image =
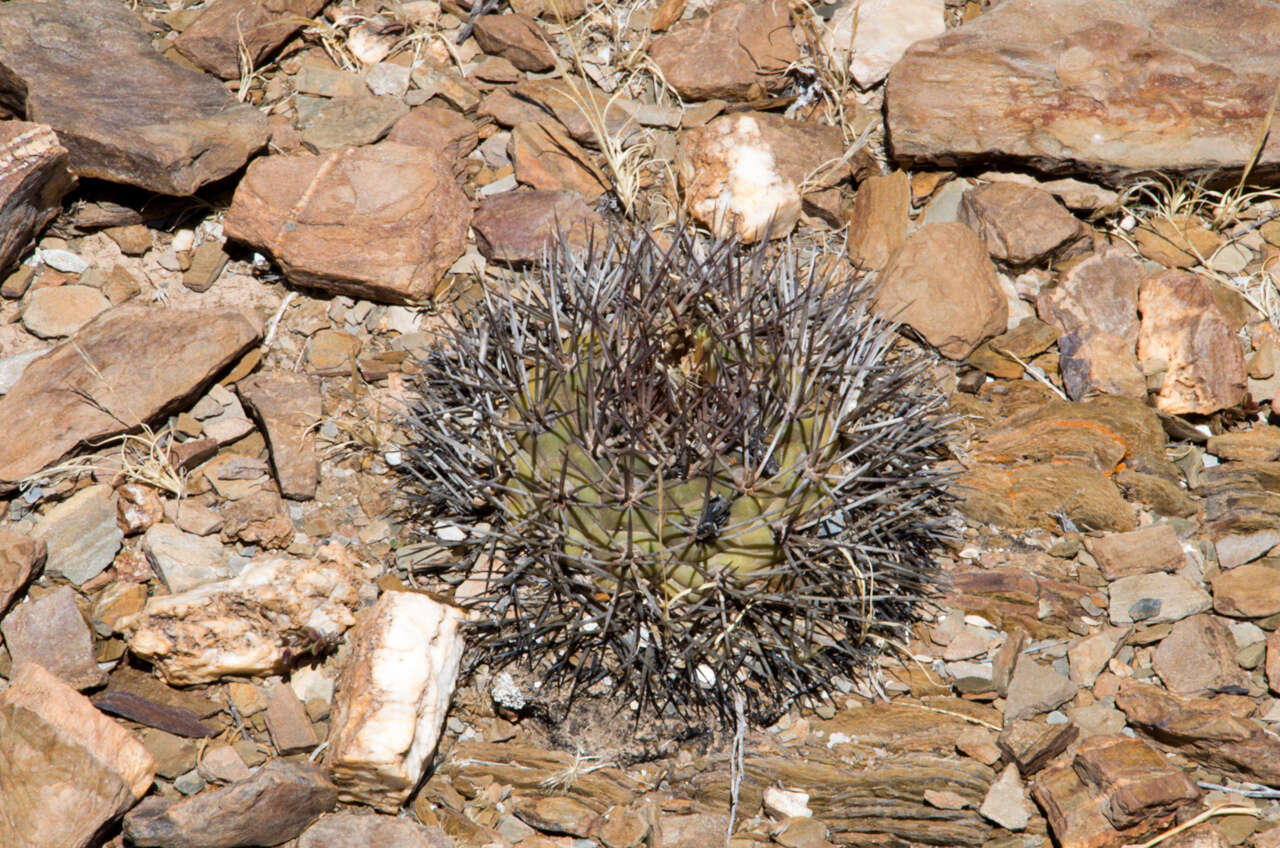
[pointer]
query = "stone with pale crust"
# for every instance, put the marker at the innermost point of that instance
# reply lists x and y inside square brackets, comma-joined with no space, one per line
[392,697]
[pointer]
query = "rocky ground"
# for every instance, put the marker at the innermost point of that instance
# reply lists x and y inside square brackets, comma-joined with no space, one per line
[230,230]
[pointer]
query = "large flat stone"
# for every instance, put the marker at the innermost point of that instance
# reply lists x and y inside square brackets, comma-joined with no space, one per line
[124,112]
[383,222]
[51,632]
[1111,88]
[127,366]
[65,768]
[34,176]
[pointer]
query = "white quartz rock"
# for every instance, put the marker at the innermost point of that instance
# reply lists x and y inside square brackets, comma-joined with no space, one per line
[238,626]
[393,693]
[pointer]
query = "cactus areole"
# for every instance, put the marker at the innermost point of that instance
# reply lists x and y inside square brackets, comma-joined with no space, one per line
[694,476]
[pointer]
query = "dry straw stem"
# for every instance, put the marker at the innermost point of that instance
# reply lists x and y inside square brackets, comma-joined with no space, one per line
[694,471]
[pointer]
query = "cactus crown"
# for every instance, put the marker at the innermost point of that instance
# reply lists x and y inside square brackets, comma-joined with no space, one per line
[695,472]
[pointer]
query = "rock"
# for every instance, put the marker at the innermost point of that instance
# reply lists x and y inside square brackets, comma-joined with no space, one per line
[739,45]
[802,832]
[251,613]
[940,282]
[391,699]
[34,177]
[81,533]
[1198,658]
[21,558]
[1176,241]
[1154,598]
[624,828]
[1135,782]
[786,803]
[1074,810]
[11,367]
[287,407]
[576,106]
[65,768]
[216,38]
[1034,689]
[517,38]
[1201,730]
[1089,655]
[124,112]
[1007,803]
[1096,719]
[440,129]
[1000,356]
[516,226]
[1260,443]
[183,560]
[60,311]
[221,763]
[1236,550]
[1031,745]
[1250,591]
[291,730]
[259,518]
[556,814]
[346,830]
[978,743]
[383,222]
[1032,495]
[1183,327]
[1097,294]
[273,806]
[871,35]
[743,173]
[207,264]
[546,158]
[1019,225]
[351,122]
[138,508]
[174,721]
[680,831]
[1152,548]
[878,219]
[1094,363]
[46,414]
[173,754]
[51,632]
[1092,80]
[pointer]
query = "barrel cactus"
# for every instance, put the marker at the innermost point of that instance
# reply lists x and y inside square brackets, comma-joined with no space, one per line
[697,476]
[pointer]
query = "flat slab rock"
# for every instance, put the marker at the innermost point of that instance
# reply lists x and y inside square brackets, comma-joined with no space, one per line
[124,112]
[34,176]
[127,366]
[65,768]
[1110,88]
[383,222]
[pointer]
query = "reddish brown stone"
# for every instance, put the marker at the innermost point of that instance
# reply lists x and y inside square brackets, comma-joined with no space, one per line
[516,226]
[34,177]
[546,158]
[1152,548]
[517,38]
[878,219]
[288,407]
[1019,224]
[21,558]
[226,28]
[438,128]
[1135,782]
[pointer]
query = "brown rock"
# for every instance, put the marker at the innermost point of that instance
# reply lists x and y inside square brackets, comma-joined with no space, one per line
[1097,294]
[516,226]
[1092,84]
[680,831]
[1201,730]
[124,112]
[51,632]
[546,158]
[556,814]
[1176,242]
[273,806]
[351,121]
[46,414]
[1093,363]
[940,282]
[1036,688]
[438,128]
[1135,782]
[206,265]
[1031,745]
[34,177]
[132,239]
[174,755]
[878,219]
[1260,443]
[348,830]
[1020,225]
[1089,655]
[1163,495]
[65,768]
[53,313]
[622,828]
[1074,810]
[1152,548]
[1183,327]
[259,519]
[1198,658]
[737,46]
[999,356]
[517,38]
[1031,496]
[21,559]
[382,222]
[138,507]
[1273,660]
[746,174]
[224,29]
[174,721]
[81,533]
[291,730]
[1250,591]
[288,408]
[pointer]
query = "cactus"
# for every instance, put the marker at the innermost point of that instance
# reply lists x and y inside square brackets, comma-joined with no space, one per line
[695,473]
